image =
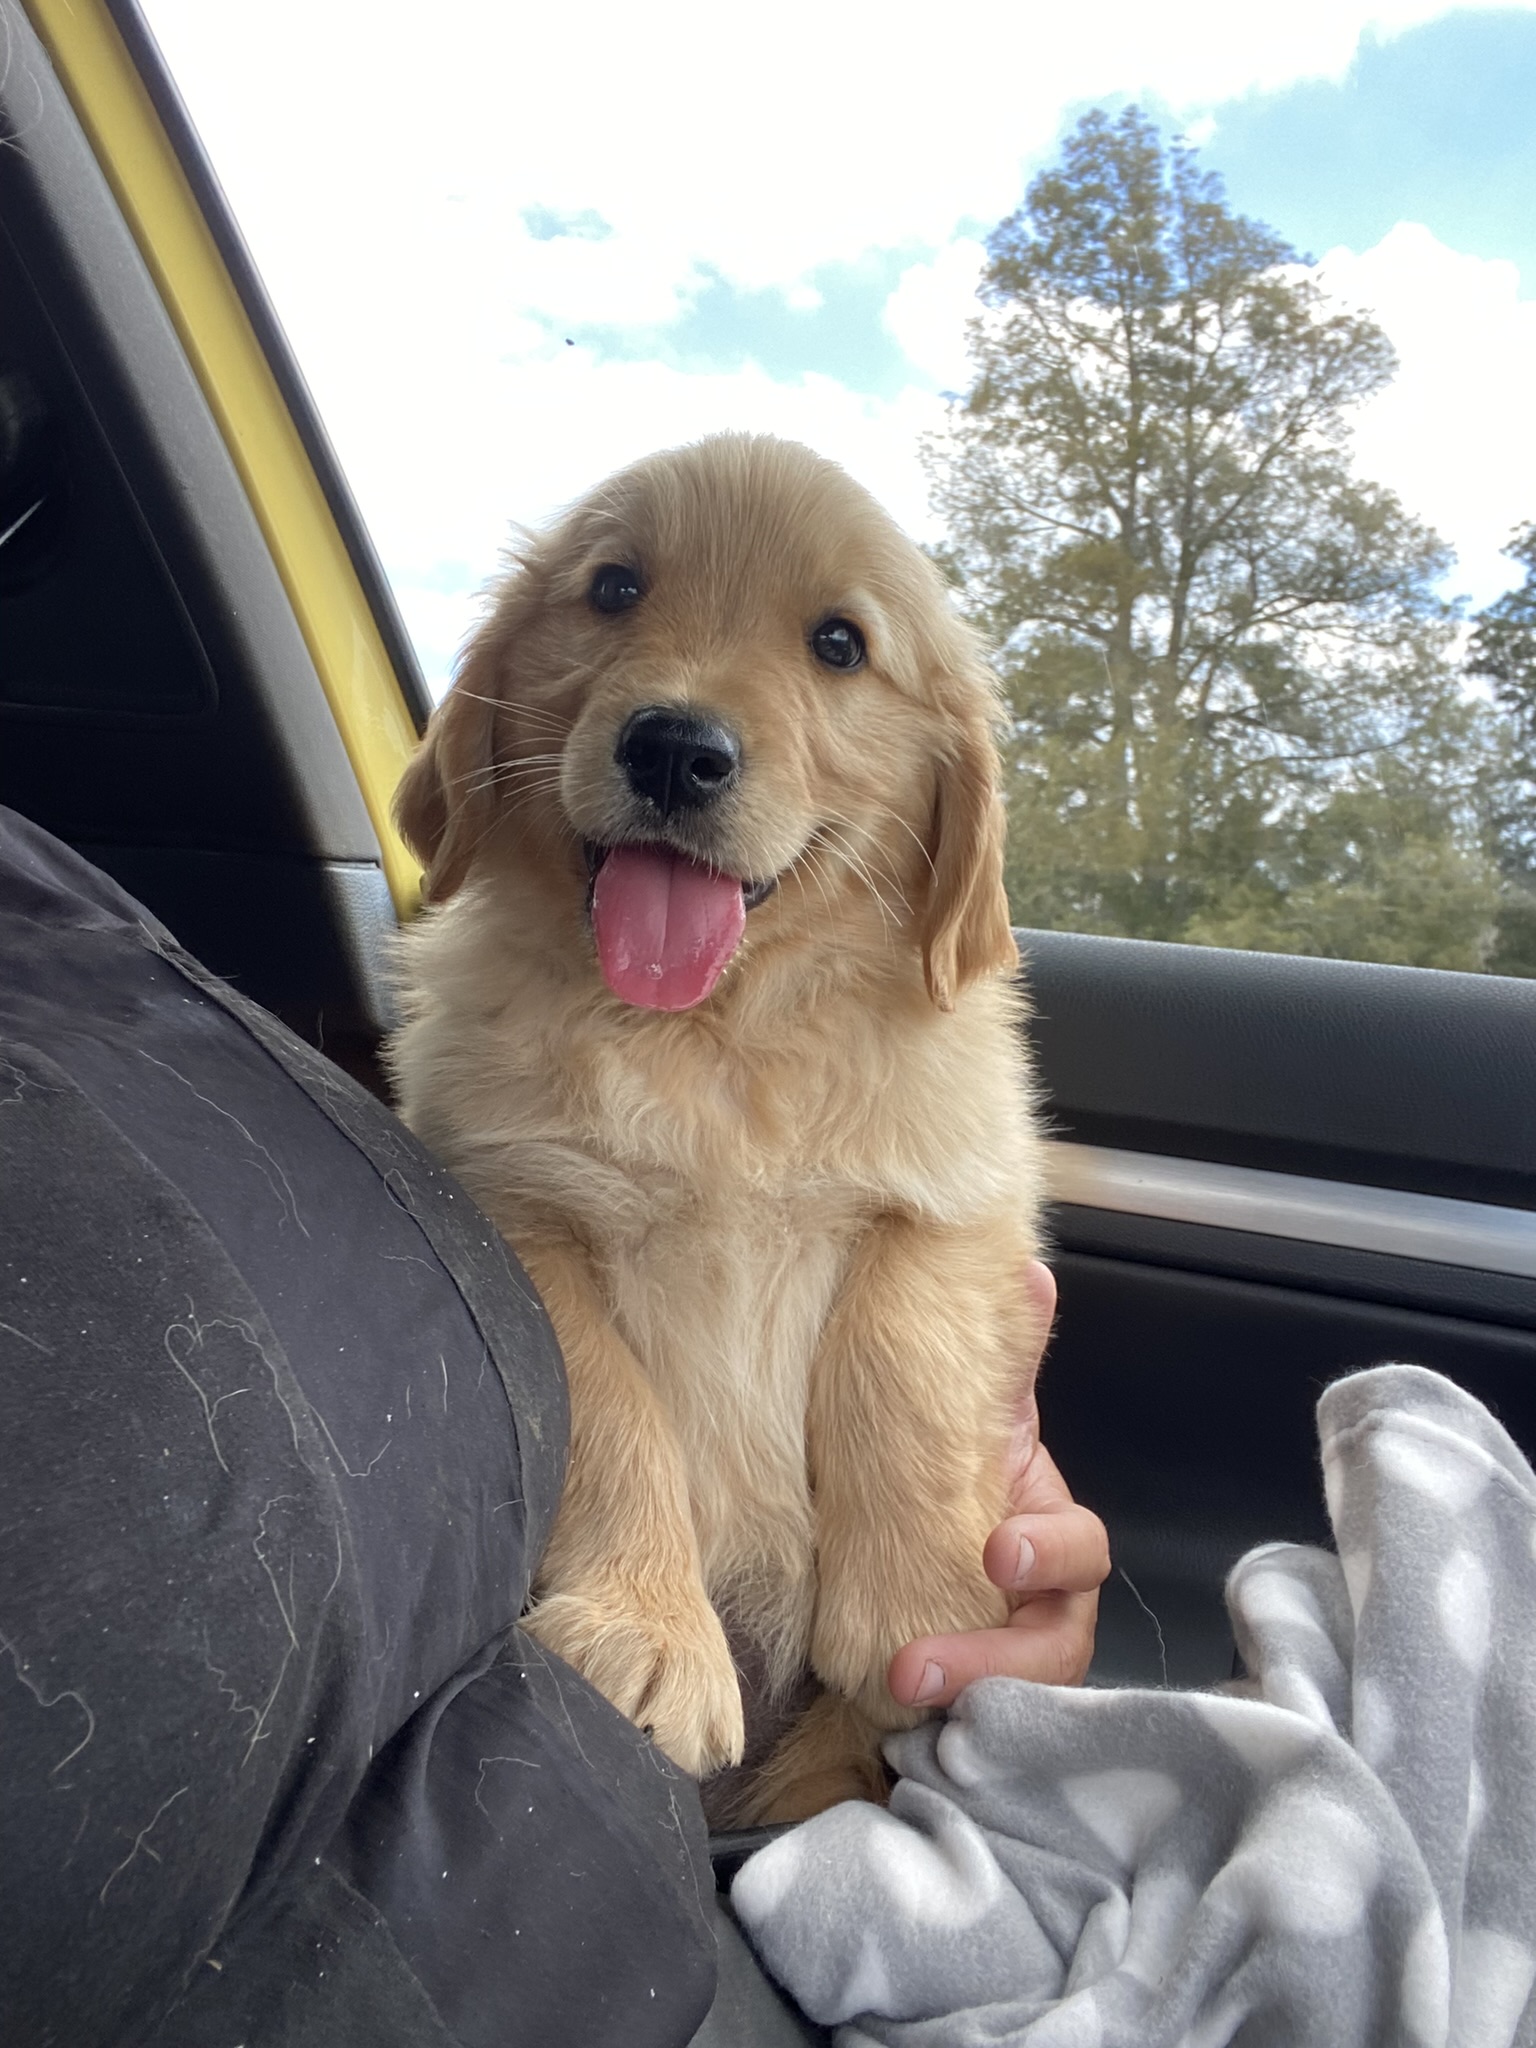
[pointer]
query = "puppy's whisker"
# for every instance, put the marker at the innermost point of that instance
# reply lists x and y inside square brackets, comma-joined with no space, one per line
[540,782]
[867,870]
[499,772]
[840,844]
[547,830]
[526,764]
[896,818]
[557,720]
[525,707]
[799,873]
[866,863]
[498,762]
[544,723]
[812,866]
[518,787]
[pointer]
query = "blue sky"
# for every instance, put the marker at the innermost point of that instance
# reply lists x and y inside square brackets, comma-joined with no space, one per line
[512,257]
[835,330]
[1436,125]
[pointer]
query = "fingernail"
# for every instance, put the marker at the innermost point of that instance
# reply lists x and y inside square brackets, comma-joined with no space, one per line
[1024,1563]
[933,1683]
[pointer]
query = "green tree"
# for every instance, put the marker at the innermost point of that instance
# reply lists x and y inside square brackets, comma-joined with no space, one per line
[1235,709]
[1502,652]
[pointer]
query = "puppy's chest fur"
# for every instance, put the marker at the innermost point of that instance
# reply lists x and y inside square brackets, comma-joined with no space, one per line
[724,1299]
[719,1254]
[721,1195]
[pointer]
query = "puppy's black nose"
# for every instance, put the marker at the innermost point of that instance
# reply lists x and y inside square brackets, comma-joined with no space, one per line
[679,760]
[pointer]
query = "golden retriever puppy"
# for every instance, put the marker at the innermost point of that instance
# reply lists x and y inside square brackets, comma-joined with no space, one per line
[713,1013]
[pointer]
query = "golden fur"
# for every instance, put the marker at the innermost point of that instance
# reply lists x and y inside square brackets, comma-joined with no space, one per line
[780,1234]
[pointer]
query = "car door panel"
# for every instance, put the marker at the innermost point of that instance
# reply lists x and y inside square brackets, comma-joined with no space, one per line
[1256,1150]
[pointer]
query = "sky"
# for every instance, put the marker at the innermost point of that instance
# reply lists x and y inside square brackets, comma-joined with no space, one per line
[516,247]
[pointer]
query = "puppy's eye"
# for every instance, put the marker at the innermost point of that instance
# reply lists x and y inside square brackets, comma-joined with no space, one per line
[615,588]
[838,643]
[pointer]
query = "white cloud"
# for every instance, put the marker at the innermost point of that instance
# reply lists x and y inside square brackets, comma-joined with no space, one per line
[1455,433]
[765,143]
[928,311]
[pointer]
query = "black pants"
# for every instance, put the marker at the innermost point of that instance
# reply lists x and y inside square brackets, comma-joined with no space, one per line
[283,1432]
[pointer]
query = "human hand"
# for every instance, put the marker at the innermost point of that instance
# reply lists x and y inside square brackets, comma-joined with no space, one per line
[1049,1556]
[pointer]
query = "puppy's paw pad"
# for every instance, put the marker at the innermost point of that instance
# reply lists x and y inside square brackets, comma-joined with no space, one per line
[667,1669]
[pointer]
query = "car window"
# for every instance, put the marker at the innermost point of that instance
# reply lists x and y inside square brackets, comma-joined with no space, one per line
[1206,366]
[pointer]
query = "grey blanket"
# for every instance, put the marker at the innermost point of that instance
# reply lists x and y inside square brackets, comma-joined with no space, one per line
[1346,1854]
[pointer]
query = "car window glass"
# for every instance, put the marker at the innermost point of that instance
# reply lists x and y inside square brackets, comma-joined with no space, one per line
[1205,362]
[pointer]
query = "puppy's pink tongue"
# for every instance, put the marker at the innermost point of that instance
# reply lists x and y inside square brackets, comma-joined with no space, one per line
[665,927]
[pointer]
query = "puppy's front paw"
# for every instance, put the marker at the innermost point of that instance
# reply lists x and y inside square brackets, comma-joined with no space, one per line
[663,1662]
[867,1608]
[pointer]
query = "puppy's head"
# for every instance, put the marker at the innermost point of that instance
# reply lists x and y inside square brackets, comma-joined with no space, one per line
[724,697]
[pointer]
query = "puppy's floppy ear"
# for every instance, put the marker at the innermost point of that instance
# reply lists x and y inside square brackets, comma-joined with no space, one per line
[445,802]
[967,934]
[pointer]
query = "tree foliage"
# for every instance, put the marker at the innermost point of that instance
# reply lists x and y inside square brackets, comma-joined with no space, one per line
[1235,713]
[1502,652]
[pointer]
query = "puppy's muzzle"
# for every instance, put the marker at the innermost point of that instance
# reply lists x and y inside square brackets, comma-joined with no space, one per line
[678,760]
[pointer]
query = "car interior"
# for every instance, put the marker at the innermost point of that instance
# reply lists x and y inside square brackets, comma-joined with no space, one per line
[1268,1170]
[161,702]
